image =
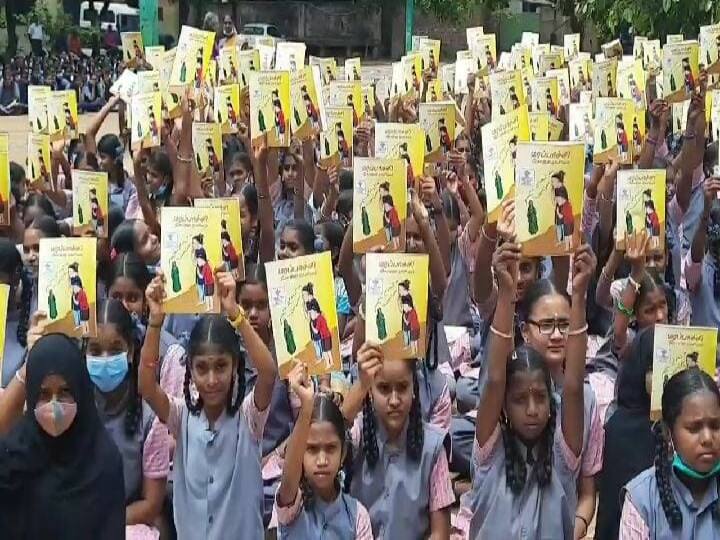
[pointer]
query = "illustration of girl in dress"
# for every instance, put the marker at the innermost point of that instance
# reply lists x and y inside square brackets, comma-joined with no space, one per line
[564,219]
[231,261]
[213,160]
[611,88]
[445,142]
[391,219]
[622,138]
[514,98]
[551,108]
[199,67]
[69,121]
[635,91]
[204,278]
[231,114]
[489,58]
[349,103]
[410,320]
[409,172]
[78,299]
[343,148]
[154,131]
[688,76]
[319,329]
[310,108]
[97,219]
[652,221]
[279,114]
[637,137]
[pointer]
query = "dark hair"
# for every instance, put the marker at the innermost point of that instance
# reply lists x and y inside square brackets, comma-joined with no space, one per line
[631,391]
[525,359]
[325,410]
[451,209]
[47,226]
[132,267]
[242,157]
[345,180]
[334,234]
[113,312]
[160,161]
[214,333]
[650,282]
[415,433]
[344,206]
[681,385]
[123,239]
[11,264]
[249,193]
[110,145]
[537,290]
[304,231]
[17,177]
[41,201]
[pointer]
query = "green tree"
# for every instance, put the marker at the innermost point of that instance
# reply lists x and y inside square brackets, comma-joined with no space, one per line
[446,10]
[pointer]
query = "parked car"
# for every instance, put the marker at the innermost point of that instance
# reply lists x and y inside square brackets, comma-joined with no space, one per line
[118,16]
[260,33]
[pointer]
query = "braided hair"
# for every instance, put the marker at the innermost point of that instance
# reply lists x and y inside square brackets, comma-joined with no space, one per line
[213,334]
[12,271]
[415,429]
[681,385]
[526,359]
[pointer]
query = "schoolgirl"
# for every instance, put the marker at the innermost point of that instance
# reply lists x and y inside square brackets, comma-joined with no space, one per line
[19,303]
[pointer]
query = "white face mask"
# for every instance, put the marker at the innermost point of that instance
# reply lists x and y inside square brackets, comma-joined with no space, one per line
[55,417]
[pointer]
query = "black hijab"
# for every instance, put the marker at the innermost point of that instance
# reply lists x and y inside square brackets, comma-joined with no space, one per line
[629,441]
[66,487]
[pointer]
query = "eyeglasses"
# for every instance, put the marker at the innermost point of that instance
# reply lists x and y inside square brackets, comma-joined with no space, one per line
[547,327]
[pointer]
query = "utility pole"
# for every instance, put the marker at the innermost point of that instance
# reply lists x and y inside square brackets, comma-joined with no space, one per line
[409,19]
[149,21]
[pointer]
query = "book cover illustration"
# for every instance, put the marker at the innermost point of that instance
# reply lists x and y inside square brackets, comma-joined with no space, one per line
[170,98]
[412,72]
[146,115]
[521,57]
[555,129]
[652,55]
[4,297]
[676,348]
[90,203]
[226,107]
[37,108]
[125,86]
[631,83]
[613,49]
[67,287]
[582,124]
[579,73]
[192,59]
[641,206]
[613,121]
[38,160]
[604,78]
[353,69]
[148,81]
[484,48]
[248,61]
[397,80]
[545,95]
[4,180]
[132,48]
[558,49]
[639,132]
[328,68]
[304,313]
[638,43]
[344,93]
[228,63]
[403,141]
[434,92]
[56,115]
[549,186]
[233,259]
[267,56]
[289,56]
[465,64]
[190,250]
[562,76]
[472,34]
[500,139]
[379,204]
[415,42]
[714,124]
[336,140]
[306,117]
[433,47]
[530,39]
[154,55]
[506,92]
[674,38]
[396,296]
[69,106]
[710,48]
[681,70]
[539,124]
[438,123]
[270,107]
[548,61]
[571,45]
[208,148]
[447,76]
[368,93]
[536,53]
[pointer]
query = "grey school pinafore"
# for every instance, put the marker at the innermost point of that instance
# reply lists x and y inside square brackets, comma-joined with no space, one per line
[323,521]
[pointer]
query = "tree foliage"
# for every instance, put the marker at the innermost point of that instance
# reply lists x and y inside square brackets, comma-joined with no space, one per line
[453,11]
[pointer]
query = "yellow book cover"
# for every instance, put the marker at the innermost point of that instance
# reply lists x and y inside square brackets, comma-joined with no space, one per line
[555,129]
[353,69]
[226,107]
[379,204]
[148,81]
[434,91]
[411,65]
[233,258]
[604,78]
[710,48]
[170,98]
[37,108]
[208,149]
[4,297]
[396,303]
[90,203]
[530,39]
[521,57]
[368,92]
[545,95]
[328,68]
[192,59]
[582,123]
[676,348]
[433,46]
[304,313]
[579,73]
[190,250]
[613,49]
[715,116]
[4,180]
[447,76]
[229,65]
[66,287]
[154,55]
[56,115]
[438,122]
[485,50]
[289,56]
[146,114]
[415,42]
[549,186]
[397,80]
[631,83]
[248,61]
[270,107]
[571,45]
[613,116]
[464,66]
[472,34]
[306,118]
[548,61]
[539,124]
[211,77]
[536,53]
[132,48]
[70,110]
[638,43]
[674,38]
[641,206]
[267,56]
[563,79]
[403,141]
[639,131]
[500,138]
[506,92]
[652,55]
[336,140]
[344,93]
[558,49]
[680,70]
[38,160]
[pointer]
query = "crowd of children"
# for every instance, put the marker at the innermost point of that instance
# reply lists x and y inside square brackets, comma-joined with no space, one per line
[527,414]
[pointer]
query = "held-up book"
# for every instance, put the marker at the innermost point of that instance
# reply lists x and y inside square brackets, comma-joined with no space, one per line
[146,120]
[614,119]
[306,117]
[233,259]
[710,48]
[132,48]
[404,141]
[336,140]
[192,57]
[37,108]
[208,149]
[438,123]
[38,160]
[226,107]
[90,203]
[270,107]
[681,70]
[507,92]
[154,55]
[4,297]
[641,206]
[4,181]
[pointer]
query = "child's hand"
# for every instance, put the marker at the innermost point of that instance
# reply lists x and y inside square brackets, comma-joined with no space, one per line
[155,295]
[419,211]
[301,384]
[369,359]
[584,263]
[333,179]
[430,193]
[505,264]
[37,328]
[226,289]
[635,249]
[506,222]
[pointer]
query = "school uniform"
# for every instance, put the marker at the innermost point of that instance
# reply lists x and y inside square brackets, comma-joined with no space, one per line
[643,516]
[700,280]
[343,518]
[456,305]
[217,488]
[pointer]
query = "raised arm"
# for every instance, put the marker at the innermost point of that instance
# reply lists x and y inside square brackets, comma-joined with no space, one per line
[369,360]
[659,112]
[96,124]
[140,180]
[635,249]
[346,268]
[186,179]
[265,209]
[431,196]
[438,273]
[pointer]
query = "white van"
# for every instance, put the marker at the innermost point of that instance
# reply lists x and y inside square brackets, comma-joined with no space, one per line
[118,17]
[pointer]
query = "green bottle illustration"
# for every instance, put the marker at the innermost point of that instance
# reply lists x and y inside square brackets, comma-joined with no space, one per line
[57,124]
[603,140]
[52,305]
[629,223]
[498,185]
[327,147]
[428,144]
[242,76]
[673,86]
[289,338]
[37,121]
[261,122]
[296,115]
[380,322]
[175,277]
[199,163]
[139,130]
[577,132]
[532,219]
[365,221]
[709,61]
[81,218]
[183,71]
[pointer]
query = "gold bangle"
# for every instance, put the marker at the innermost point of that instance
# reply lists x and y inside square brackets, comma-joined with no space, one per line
[499,333]
[579,331]
[482,229]
[235,323]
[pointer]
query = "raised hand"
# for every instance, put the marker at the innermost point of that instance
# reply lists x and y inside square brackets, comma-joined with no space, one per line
[155,296]
[370,360]
[301,384]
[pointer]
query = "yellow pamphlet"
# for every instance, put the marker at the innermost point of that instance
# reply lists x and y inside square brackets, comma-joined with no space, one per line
[154,55]
[604,79]
[447,76]
[4,297]
[579,73]
[62,115]
[328,68]
[506,91]
[631,83]
[270,107]
[146,114]
[555,129]
[571,45]
[582,123]
[438,123]
[710,48]
[353,69]
[548,61]
[539,124]
[233,258]
[652,55]
[37,108]
[148,81]
[545,95]
[472,34]
[613,49]
[433,46]
[306,118]
[192,57]
[434,92]
[248,61]
[207,145]
[226,107]
[336,140]
[38,160]
[681,70]
[674,38]
[404,141]
[229,65]
[132,48]
[485,50]
[289,56]
[4,181]
[343,93]
[170,98]
[641,206]
[90,203]
[613,120]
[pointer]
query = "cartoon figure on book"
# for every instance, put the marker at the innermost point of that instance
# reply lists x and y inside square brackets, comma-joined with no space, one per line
[410,320]
[319,329]
[78,299]
[611,89]
[343,148]
[391,220]
[279,114]
[154,131]
[97,219]
[232,115]
[622,138]
[564,219]
[69,121]
[349,102]
[689,80]
[637,137]
[489,60]
[199,68]
[409,172]
[213,161]
[652,221]
[231,260]
[445,142]
[204,278]
[550,103]
[635,93]
[310,108]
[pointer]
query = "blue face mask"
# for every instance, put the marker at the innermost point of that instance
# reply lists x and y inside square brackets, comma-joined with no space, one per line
[680,466]
[107,372]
